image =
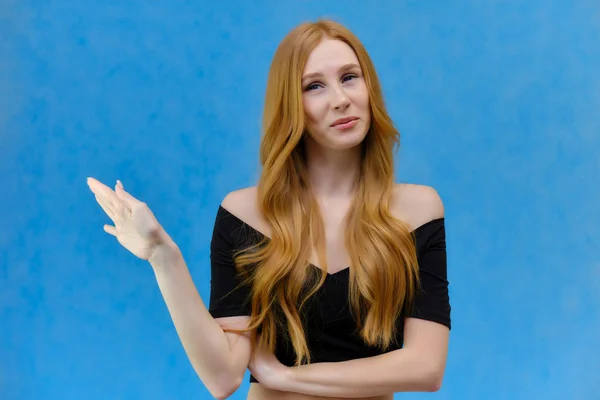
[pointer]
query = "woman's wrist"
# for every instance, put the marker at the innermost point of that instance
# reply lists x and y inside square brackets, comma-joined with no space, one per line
[165,255]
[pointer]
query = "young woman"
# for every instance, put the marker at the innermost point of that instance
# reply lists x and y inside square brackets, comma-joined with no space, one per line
[328,278]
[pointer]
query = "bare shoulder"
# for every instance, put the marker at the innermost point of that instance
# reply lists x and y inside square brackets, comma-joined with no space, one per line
[240,198]
[243,204]
[416,204]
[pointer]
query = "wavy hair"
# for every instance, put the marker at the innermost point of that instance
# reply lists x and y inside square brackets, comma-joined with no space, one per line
[384,270]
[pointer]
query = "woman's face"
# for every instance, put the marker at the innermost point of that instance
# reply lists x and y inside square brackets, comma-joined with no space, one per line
[335,96]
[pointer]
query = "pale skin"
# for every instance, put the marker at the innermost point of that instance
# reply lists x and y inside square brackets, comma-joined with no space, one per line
[220,359]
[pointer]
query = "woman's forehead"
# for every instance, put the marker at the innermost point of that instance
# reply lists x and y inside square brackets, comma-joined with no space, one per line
[330,56]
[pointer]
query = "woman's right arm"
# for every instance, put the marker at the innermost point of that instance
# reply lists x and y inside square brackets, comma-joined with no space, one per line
[220,359]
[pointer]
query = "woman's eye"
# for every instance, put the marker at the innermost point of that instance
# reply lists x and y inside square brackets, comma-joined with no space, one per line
[316,85]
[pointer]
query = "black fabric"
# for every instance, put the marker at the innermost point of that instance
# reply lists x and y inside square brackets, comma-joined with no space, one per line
[331,330]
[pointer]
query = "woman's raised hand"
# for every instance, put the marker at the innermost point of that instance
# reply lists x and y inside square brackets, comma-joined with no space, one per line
[135,226]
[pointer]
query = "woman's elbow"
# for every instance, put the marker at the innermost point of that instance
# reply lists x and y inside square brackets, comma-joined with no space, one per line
[220,384]
[434,385]
[223,388]
[434,377]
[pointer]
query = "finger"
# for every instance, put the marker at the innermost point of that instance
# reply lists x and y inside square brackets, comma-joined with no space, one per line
[98,187]
[107,207]
[129,200]
[110,230]
[105,193]
[122,209]
[126,202]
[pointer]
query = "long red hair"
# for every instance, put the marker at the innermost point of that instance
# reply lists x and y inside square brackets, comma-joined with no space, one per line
[384,271]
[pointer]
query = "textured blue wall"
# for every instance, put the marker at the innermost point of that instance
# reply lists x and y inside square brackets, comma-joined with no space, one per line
[498,103]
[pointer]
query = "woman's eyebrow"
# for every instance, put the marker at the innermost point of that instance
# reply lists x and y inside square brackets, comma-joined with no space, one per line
[345,67]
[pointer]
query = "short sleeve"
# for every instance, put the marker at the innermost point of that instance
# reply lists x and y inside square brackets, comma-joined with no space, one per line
[227,297]
[432,301]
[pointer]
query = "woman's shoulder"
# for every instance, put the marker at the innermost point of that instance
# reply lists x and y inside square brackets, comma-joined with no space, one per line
[240,198]
[412,203]
[242,203]
[416,204]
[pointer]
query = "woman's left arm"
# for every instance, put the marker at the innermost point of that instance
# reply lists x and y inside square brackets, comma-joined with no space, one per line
[417,367]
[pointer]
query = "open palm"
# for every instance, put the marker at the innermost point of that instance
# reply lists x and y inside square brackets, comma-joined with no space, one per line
[135,226]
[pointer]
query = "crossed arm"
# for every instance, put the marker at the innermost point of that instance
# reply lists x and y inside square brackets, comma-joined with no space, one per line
[417,367]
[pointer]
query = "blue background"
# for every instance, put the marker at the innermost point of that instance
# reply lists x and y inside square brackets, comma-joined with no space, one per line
[498,104]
